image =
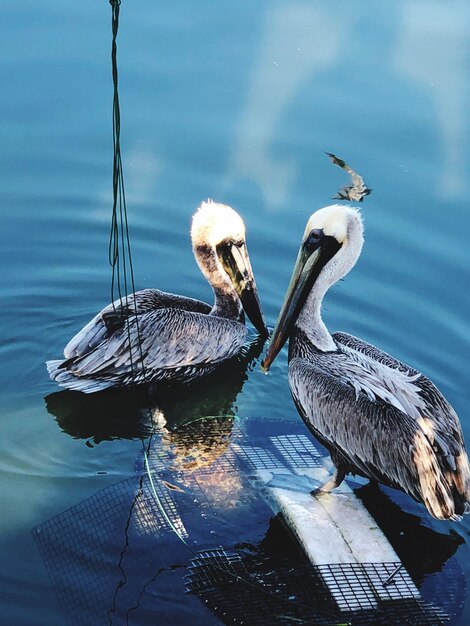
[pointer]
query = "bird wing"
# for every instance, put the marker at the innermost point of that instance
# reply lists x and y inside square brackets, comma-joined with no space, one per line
[385,419]
[162,339]
[114,316]
[414,393]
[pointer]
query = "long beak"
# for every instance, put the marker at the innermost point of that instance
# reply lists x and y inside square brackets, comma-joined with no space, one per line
[300,285]
[237,264]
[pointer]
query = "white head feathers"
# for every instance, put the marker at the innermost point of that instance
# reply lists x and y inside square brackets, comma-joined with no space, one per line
[336,221]
[214,222]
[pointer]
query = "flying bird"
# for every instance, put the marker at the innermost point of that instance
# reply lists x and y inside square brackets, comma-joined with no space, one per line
[357,190]
[377,416]
[153,337]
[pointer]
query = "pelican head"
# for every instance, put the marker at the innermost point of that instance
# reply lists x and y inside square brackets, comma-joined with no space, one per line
[330,247]
[219,245]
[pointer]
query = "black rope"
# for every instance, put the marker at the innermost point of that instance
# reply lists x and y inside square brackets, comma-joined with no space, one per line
[119,252]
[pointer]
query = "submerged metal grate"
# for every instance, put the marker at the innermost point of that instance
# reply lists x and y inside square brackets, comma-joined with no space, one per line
[297,451]
[288,451]
[240,596]
[80,550]
[149,512]
[112,554]
[94,552]
[366,585]
[239,592]
[256,457]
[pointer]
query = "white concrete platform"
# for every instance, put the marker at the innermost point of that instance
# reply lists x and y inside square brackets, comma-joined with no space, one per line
[333,528]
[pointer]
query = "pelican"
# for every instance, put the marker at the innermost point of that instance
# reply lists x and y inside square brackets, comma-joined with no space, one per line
[377,416]
[153,336]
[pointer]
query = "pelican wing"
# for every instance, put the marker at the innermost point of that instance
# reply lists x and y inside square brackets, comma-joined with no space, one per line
[114,316]
[385,420]
[162,339]
[417,396]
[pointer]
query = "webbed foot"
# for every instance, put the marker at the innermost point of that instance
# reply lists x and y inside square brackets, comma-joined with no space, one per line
[331,483]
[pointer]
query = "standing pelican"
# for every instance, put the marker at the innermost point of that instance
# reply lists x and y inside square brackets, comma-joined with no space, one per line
[377,416]
[153,336]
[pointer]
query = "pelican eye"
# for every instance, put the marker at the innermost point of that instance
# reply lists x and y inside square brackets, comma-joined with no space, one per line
[314,239]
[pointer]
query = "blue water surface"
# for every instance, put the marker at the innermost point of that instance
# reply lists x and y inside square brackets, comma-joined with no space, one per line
[238,102]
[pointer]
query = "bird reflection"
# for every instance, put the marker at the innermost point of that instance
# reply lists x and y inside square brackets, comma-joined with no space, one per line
[422,550]
[137,414]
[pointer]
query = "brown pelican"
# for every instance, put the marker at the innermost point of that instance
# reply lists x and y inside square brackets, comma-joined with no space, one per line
[153,336]
[377,416]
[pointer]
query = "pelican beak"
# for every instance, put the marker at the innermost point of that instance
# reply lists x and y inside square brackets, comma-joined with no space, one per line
[236,262]
[310,261]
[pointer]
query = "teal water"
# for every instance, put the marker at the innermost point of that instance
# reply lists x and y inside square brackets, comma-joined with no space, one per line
[238,102]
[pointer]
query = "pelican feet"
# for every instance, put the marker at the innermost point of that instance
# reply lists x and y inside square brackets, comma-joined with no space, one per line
[331,483]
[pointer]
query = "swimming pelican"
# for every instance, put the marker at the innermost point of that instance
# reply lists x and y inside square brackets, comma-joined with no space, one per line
[377,416]
[155,336]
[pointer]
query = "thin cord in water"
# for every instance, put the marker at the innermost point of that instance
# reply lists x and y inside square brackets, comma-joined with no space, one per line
[119,250]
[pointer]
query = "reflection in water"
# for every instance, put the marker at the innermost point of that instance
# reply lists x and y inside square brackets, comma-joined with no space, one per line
[137,414]
[299,40]
[430,42]
[198,444]
[144,167]
[422,550]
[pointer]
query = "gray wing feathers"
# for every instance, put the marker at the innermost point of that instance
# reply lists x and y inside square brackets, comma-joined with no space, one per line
[350,425]
[114,316]
[64,378]
[166,338]
[372,351]
[419,396]
[377,374]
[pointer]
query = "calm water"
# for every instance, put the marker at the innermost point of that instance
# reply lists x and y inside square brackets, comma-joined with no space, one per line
[237,102]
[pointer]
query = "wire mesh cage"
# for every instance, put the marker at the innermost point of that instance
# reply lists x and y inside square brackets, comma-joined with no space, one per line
[239,594]
[105,556]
